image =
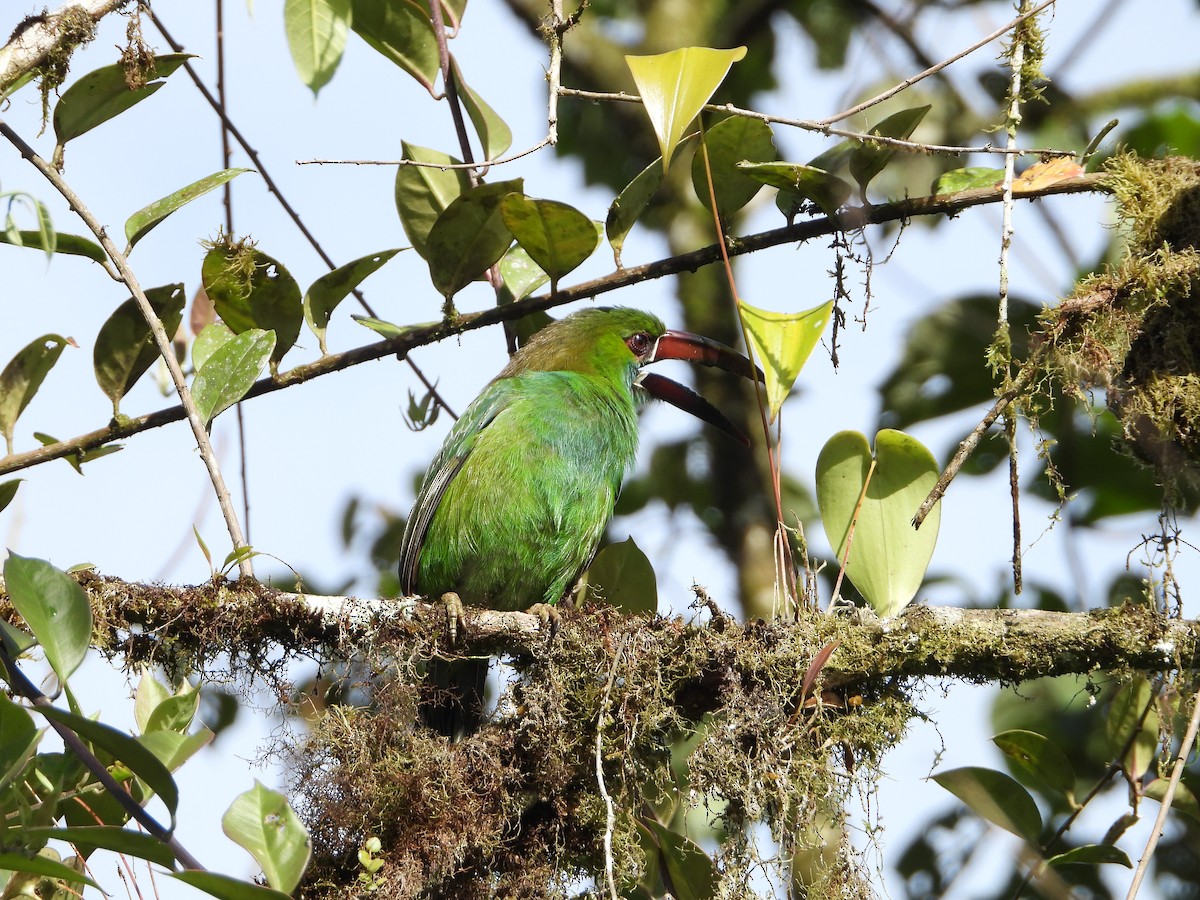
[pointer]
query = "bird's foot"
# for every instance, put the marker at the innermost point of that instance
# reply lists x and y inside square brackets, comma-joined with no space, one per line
[549,618]
[454,615]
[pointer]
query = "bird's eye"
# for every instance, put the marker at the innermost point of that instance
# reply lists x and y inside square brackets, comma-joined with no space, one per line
[639,344]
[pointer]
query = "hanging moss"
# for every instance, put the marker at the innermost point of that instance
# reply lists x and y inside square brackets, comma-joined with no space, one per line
[1134,330]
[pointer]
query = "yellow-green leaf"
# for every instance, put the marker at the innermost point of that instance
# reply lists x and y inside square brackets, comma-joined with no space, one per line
[783,342]
[556,236]
[675,86]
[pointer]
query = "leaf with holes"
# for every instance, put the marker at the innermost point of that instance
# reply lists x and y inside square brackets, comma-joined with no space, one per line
[22,377]
[252,290]
[148,217]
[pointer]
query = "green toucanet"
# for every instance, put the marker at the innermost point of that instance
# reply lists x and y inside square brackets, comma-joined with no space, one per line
[514,504]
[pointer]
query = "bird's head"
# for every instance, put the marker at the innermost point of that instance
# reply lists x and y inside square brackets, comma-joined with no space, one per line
[616,343]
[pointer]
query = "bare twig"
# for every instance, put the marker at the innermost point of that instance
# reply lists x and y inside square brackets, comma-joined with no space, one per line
[934,69]
[161,339]
[1185,750]
[420,335]
[814,125]
[448,83]
[971,441]
[422,164]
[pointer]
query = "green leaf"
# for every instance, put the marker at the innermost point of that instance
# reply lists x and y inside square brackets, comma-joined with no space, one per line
[520,274]
[782,343]
[494,134]
[1184,800]
[675,86]
[125,346]
[1091,855]
[211,339]
[401,31]
[231,371]
[688,870]
[729,142]
[868,160]
[888,557]
[556,236]
[145,219]
[70,244]
[469,236]
[262,821]
[8,490]
[47,868]
[630,204]
[251,290]
[621,576]
[22,377]
[1132,726]
[387,329]
[76,460]
[150,693]
[1038,756]
[54,607]
[175,713]
[423,193]
[966,179]
[174,749]
[227,888]
[800,183]
[98,96]
[107,837]
[316,35]
[330,289]
[996,797]
[125,749]
[19,738]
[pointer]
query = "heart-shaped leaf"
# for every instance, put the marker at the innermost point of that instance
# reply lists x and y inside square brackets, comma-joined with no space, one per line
[783,342]
[888,557]
[675,86]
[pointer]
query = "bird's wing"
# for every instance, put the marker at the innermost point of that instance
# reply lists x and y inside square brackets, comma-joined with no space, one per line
[457,447]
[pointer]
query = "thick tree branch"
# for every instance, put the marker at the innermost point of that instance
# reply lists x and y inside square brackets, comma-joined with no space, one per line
[37,37]
[421,335]
[250,623]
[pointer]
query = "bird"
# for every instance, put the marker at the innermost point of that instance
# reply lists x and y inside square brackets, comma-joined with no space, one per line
[513,506]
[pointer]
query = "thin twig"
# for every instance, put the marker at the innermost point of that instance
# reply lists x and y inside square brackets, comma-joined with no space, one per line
[611,819]
[229,128]
[1016,63]
[421,335]
[422,164]
[1185,750]
[971,441]
[813,125]
[161,339]
[934,69]
[26,688]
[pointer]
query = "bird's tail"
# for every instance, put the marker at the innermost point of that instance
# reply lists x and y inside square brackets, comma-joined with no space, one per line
[452,700]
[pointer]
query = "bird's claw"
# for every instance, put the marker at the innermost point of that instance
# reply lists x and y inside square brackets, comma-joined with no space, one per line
[454,615]
[549,618]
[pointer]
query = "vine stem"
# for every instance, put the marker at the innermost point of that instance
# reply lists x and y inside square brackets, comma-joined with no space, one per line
[161,339]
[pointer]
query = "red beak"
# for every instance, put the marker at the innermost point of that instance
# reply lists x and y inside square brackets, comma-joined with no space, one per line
[694,348]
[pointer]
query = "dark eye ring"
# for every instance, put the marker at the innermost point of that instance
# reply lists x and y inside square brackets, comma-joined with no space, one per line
[638,344]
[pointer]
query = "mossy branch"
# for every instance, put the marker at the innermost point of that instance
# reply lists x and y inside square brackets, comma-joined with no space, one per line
[244,626]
